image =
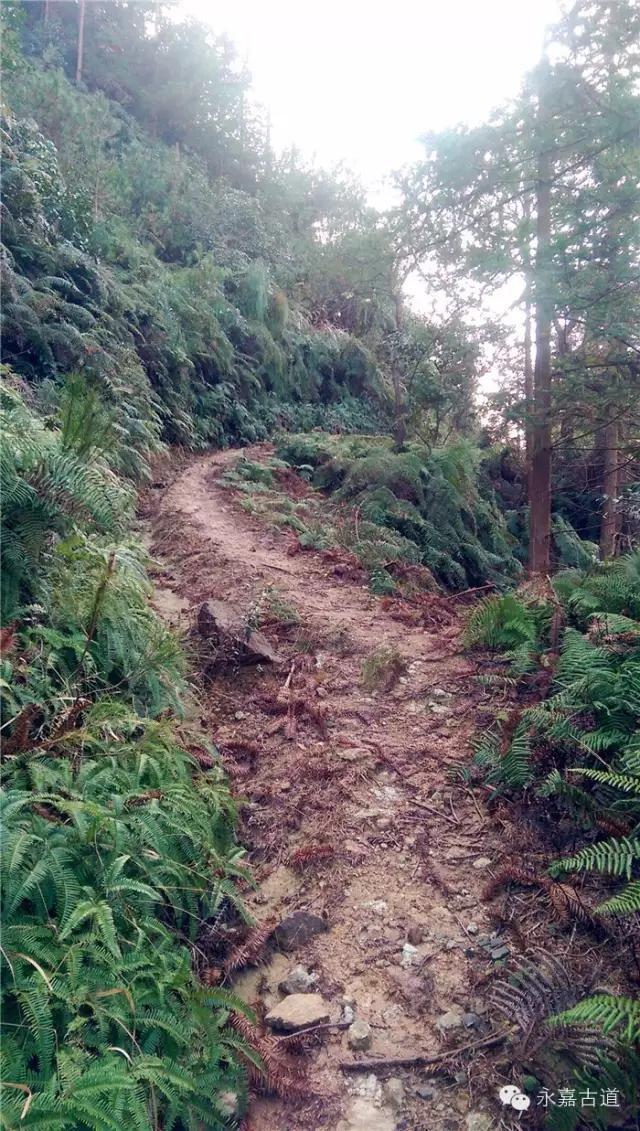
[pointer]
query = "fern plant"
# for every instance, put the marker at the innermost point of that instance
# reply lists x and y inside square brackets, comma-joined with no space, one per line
[112,857]
[46,488]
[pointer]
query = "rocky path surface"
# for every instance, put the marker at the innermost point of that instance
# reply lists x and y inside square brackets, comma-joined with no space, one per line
[368,850]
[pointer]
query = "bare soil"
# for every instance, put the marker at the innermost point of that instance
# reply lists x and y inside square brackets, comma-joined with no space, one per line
[352,808]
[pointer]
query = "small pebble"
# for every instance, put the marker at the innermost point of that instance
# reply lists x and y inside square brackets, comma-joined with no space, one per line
[425,1091]
[409,955]
[482,862]
[449,1020]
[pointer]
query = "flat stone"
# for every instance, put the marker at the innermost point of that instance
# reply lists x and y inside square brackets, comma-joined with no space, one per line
[482,862]
[222,620]
[472,928]
[297,929]
[298,1011]
[298,981]
[500,952]
[359,1036]
[449,1021]
[438,708]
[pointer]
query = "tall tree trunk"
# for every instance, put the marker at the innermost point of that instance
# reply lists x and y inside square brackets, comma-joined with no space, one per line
[399,406]
[80,56]
[528,385]
[540,482]
[528,350]
[609,528]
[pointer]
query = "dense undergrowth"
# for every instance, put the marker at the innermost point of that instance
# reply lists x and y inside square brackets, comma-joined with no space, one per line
[571,747]
[117,822]
[170,303]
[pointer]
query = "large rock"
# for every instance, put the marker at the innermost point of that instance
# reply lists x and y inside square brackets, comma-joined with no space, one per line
[221,620]
[297,929]
[298,1011]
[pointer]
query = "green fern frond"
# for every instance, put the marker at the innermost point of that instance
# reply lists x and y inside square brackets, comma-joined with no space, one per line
[620,1015]
[614,857]
[625,902]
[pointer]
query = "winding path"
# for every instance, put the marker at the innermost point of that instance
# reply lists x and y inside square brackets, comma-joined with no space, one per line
[366,774]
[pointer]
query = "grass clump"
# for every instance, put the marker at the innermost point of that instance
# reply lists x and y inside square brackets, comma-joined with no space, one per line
[382,669]
[272,608]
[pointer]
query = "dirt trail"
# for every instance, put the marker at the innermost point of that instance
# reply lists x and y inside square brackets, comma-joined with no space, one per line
[370,777]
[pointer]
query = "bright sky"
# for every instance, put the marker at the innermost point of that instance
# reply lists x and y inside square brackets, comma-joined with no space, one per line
[359,81]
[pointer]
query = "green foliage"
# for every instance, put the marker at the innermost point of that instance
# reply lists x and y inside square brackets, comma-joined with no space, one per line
[161,290]
[612,1014]
[504,623]
[112,855]
[582,740]
[419,507]
[46,488]
[117,849]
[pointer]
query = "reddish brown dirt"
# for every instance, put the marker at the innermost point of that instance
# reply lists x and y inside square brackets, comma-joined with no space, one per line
[371,777]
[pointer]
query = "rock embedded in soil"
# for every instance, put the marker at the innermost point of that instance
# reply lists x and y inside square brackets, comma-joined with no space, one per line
[393,1092]
[425,1091]
[482,862]
[298,981]
[500,952]
[298,1011]
[221,620]
[364,1115]
[359,1036]
[479,1121]
[449,1021]
[409,955]
[297,929]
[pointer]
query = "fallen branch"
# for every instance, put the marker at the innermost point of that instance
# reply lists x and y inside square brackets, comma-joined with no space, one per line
[436,812]
[420,1061]
[316,1029]
[468,592]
